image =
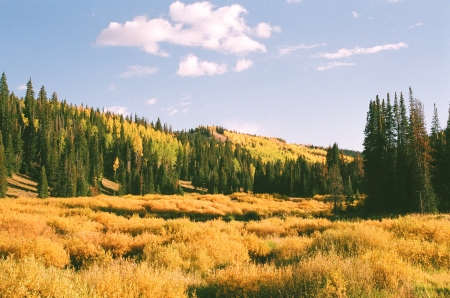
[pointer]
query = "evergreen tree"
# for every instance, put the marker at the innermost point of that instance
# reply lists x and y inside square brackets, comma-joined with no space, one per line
[423,198]
[336,186]
[437,144]
[42,184]
[3,170]
[31,123]
[445,170]
[349,191]
[402,189]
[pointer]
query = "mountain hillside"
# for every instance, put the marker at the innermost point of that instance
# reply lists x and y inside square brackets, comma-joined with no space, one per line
[71,151]
[272,149]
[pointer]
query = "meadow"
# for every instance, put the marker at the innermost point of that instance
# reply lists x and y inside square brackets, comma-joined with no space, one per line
[215,246]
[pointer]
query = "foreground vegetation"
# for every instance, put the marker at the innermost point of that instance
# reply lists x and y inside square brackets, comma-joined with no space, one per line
[215,246]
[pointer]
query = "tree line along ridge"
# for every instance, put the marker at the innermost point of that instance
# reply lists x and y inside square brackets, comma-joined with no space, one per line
[70,149]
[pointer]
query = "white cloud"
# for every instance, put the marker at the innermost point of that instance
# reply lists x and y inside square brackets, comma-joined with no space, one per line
[416,25]
[243,64]
[286,50]
[393,1]
[118,110]
[355,14]
[22,87]
[194,25]
[333,65]
[191,66]
[293,1]
[112,87]
[173,112]
[264,30]
[151,101]
[138,71]
[342,53]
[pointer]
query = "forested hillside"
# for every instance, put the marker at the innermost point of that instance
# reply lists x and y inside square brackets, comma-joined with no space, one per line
[69,149]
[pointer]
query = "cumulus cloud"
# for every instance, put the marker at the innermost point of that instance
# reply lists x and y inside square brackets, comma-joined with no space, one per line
[286,50]
[191,66]
[138,71]
[243,64]
[342,53]
[333,65]
[22,87]
[194,25]
[151,101]
[118,110]
[355,14]
[264,30]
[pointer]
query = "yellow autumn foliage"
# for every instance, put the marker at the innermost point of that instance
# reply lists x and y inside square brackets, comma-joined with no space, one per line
[215,246]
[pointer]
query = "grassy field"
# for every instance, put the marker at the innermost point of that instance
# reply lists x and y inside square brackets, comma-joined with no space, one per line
[215,246]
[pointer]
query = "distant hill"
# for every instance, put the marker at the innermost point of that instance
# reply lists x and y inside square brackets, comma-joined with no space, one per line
[271,149]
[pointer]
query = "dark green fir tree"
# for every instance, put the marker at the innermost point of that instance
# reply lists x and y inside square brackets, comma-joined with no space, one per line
[42,184]
[3,170]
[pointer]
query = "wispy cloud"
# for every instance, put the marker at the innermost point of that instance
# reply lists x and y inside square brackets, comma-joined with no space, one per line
[293,1]
[151,101]
[416,25]
[112,87]
[199,24]
[286,50]
[191,66]
[342,53]
[355,14]
[242,126]
[118,110]
[138,71]
[22,87]
[333,65]
[243,64]
[393,1]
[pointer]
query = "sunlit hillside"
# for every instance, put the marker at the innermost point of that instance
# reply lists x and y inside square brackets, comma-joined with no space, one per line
[272,149]
[251,246]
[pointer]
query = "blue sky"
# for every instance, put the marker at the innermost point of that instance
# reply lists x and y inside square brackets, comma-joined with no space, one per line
[304,70]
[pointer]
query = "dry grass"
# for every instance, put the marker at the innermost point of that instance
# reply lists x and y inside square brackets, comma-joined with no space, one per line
[149,247]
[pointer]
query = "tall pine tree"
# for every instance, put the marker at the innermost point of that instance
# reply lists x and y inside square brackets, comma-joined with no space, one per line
[3,170]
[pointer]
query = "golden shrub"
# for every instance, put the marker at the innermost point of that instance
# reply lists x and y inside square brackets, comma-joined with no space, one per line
[29,277]
[352,240]
[126,279]
[52,253]
[291,249]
